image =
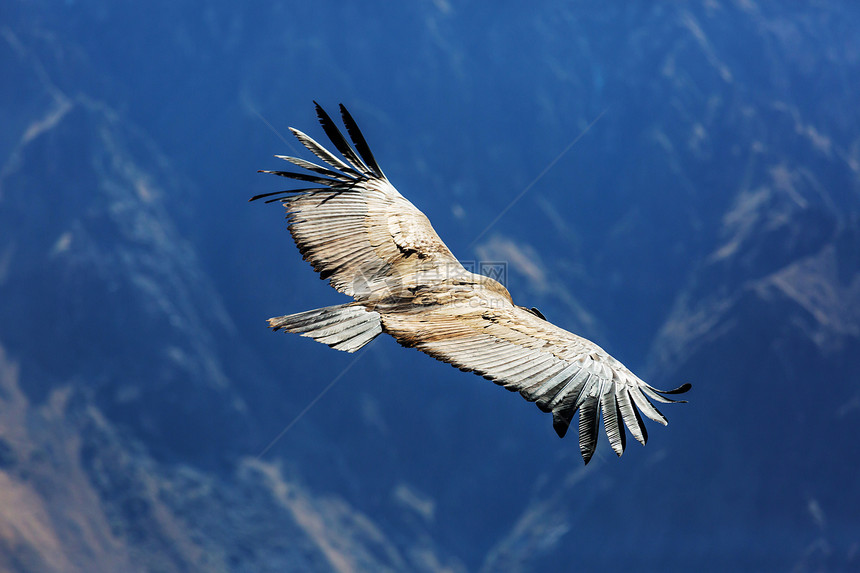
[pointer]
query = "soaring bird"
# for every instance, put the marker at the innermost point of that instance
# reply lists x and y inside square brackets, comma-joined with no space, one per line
[372,244]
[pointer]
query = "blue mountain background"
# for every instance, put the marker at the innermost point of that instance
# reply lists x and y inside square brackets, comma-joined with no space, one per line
[682,185]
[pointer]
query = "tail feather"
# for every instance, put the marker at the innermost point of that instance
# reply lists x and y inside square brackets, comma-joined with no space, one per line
[346,327]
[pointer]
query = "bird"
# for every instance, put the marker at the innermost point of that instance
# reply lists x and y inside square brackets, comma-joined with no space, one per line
[374,245]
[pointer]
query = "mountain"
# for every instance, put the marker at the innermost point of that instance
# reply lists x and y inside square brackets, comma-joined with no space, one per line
[125,438]
[681,185]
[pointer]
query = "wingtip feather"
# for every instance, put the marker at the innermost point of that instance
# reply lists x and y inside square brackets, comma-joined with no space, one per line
[560,423]
[589,428]
[685,387]
[360,142]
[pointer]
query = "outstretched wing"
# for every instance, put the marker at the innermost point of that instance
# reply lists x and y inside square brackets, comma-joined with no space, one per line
[352,225]
[560,371]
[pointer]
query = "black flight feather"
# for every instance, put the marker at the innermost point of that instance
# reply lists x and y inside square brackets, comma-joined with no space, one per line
[339,141]
[560,422]
[537,313]
[359,141]
[621,431]
[679,390]
[304,177]
[653,394]
[288,194]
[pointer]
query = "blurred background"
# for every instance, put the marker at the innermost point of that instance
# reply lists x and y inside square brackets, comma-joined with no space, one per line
[705,229]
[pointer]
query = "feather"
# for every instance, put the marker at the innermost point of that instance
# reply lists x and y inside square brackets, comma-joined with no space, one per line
[497,361]
[537,313]
[679,390]
[591,386]
[284,192]
[344,261]
[358,341]
[304,177]
[560,378]
[345,327]
[573,387]
[335,327]
[325,154]
[519,361]
[567,407]
[339,333]
[652,393]
[647,407]
[340,142]
[526,367]
[622,434]
[310,166]
[538,373]
[612,420]
[631,416]
[560,422]
[589,426]
[360,143]
[529,389]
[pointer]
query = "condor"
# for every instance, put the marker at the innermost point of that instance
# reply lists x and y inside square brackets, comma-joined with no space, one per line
[372,244]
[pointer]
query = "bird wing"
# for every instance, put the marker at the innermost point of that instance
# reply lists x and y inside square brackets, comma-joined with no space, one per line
[560,371]
[353,226]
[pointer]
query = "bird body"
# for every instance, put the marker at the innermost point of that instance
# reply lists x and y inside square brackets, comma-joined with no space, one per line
[374,245]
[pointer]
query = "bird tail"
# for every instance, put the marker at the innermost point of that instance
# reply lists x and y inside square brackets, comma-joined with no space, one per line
[346,327]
